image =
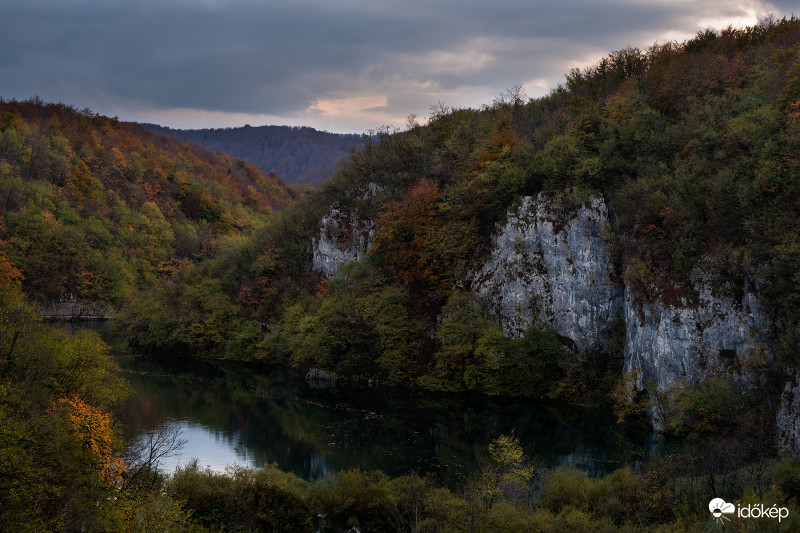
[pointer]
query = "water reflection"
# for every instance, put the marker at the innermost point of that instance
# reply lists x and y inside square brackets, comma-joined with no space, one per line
[210,447]
[234,415]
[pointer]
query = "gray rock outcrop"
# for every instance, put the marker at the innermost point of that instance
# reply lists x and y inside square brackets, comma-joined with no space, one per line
[343,235]
[549,266]
[70,307]
[690,342]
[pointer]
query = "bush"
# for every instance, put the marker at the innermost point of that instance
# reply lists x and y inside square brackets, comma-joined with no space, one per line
[356,498]
[244,499]
[701,408]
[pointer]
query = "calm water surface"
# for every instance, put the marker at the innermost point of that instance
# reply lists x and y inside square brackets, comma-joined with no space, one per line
[231,414]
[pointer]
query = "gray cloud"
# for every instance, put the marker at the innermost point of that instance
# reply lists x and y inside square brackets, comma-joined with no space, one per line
[337,65]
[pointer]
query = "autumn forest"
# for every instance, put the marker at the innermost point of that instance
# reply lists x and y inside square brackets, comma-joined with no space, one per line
[196,254]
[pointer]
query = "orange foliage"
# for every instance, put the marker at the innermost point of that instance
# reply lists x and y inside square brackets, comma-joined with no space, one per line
[85,280]
[503,138]
[152,190]
[245,300]
[82,185]
[794,109]
[9,274]
[117,161]
[92,427]
[406,229]
[324,288]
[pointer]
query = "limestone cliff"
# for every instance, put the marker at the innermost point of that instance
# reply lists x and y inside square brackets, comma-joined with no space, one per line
[70,307]
[343,234]
[549,266]
[343,237]
[788,420]
[689,342]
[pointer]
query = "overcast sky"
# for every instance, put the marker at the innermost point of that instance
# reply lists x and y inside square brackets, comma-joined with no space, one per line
[337,65]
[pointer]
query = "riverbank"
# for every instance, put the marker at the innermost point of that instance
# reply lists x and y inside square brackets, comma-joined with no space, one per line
[669,496]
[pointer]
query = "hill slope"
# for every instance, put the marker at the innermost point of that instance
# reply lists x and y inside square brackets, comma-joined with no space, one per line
[93,208]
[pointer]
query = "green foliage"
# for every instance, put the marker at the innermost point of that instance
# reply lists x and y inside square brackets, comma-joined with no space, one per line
[355,498]
[339,339]
[527,366]
[700,408]
[243,499]
[350,334]
[566,160]
[568,499]
[475,355]
[388,313]
[539,354]
[630,402]
[786,475]
[58,464]
[146,512]
[245,342]
[510,475]
[508,455]
[193,315]
[461,326]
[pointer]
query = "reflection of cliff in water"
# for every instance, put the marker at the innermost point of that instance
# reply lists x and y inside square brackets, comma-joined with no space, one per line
[276,418]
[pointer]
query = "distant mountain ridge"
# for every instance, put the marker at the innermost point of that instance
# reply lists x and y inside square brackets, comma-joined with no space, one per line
[299,155]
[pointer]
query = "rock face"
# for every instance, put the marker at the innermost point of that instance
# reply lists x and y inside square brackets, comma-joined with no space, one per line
[788,419]
[550,267]
[672,343]
[553,270]
[343,236]
[71,308]
[668,344]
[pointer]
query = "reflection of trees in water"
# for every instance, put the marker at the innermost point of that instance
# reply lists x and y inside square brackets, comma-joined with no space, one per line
[279,419]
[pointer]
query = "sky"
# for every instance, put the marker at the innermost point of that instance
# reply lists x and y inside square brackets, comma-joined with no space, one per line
[343,66]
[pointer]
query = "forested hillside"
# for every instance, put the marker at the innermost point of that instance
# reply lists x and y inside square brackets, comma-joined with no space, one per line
[302,156]
[93,209]
[694,145]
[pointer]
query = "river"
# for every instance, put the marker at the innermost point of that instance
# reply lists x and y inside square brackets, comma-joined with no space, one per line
[236,414]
